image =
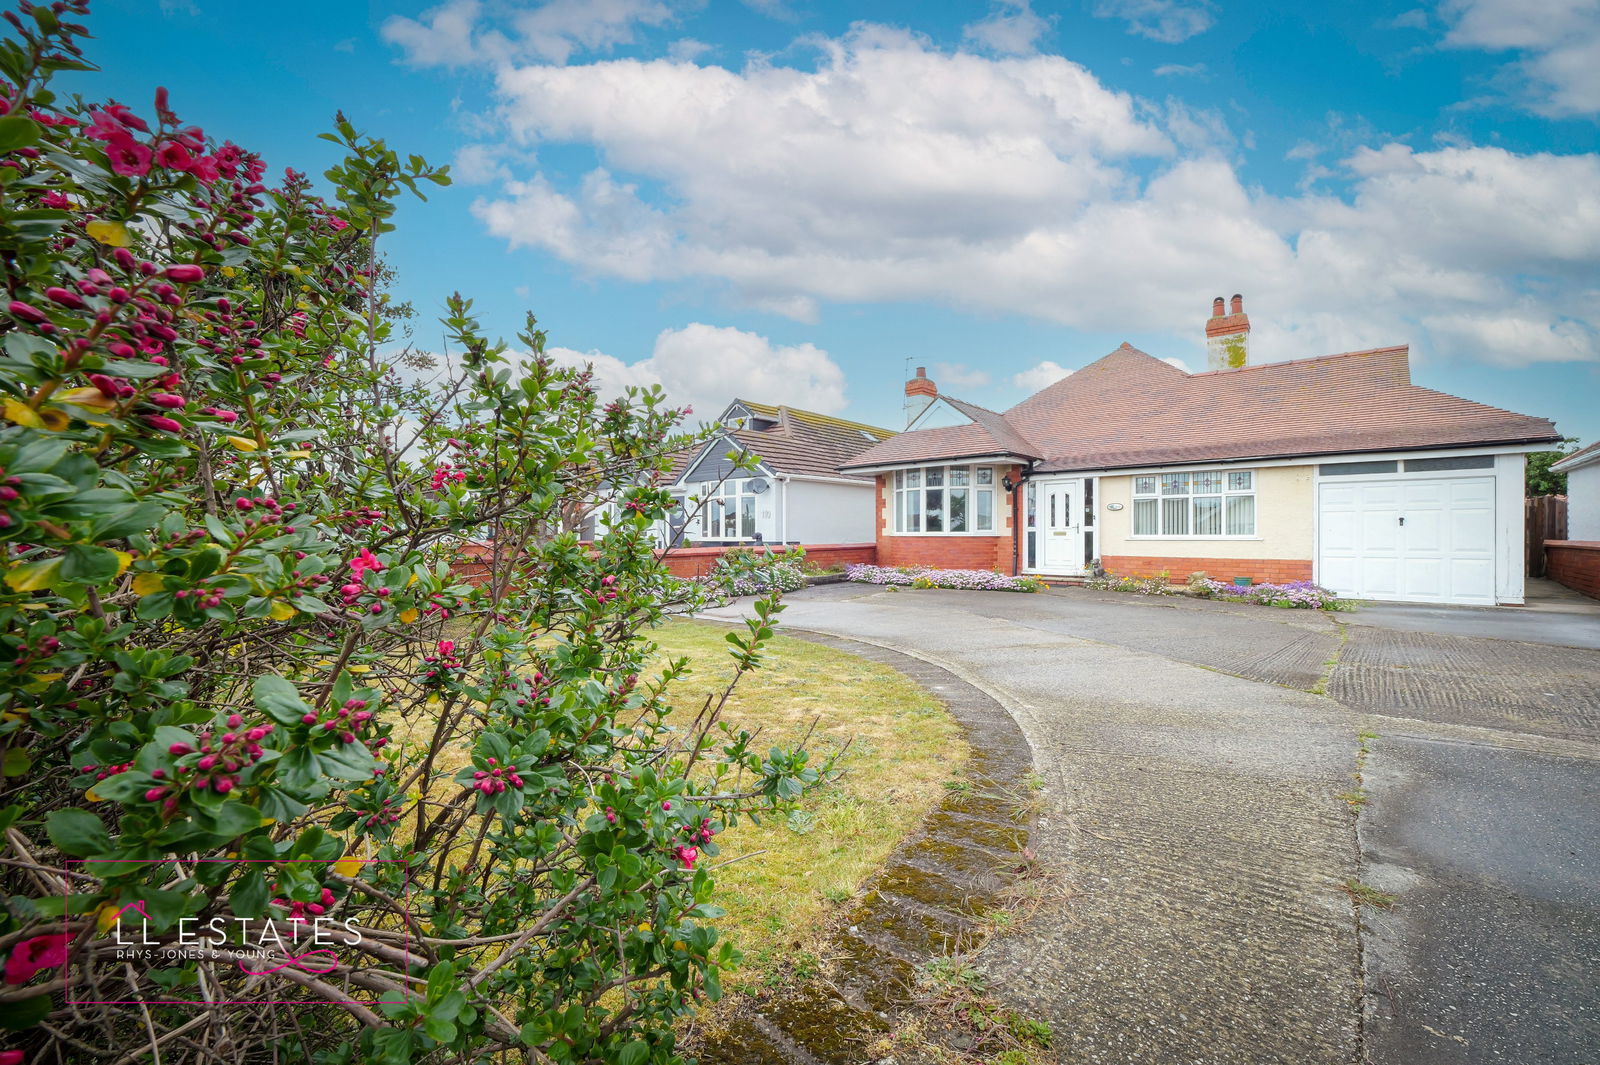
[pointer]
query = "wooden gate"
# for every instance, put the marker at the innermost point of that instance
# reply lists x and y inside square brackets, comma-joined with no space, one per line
[1546,519]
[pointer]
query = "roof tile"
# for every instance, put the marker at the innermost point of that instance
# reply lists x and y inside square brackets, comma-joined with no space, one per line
[1130,409]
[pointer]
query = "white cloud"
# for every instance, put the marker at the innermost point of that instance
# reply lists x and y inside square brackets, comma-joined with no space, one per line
[455,34]
[952,375]
[1178,363]
[777,9]
[1042,375]
[1559,72]
[1168,21]
[687,49]
[894,171]
[707,366]
[1179,70]
[442,37]
[1415,19]
[478,164]
[1011,28]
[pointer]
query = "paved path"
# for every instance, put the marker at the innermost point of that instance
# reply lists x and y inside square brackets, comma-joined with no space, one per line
[1193,769]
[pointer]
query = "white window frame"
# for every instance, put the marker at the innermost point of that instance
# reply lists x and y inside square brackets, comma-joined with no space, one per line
[979,480]
[1161,487]
[710,497]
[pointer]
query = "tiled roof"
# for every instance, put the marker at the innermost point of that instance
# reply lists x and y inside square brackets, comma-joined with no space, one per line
[1581,457]
[1130,409]
[803,442]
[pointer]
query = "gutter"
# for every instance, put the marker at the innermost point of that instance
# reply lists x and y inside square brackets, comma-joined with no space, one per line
[1017,530]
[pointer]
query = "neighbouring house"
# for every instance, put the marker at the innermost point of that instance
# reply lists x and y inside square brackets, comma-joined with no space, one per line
[796,493]
[1583,492]
[1335,469]
[1575,561]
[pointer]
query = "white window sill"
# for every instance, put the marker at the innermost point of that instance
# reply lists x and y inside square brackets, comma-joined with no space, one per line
[989,535]
[1193,539]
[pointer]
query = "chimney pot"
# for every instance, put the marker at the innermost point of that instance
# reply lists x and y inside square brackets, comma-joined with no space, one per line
[1228,336]
[920,394]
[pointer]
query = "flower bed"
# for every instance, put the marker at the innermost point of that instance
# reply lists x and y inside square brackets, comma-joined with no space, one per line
[927,577]
[745,572]
[1295,594]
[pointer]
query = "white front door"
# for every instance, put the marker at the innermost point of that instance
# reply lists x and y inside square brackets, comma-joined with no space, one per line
[1408,540]
[1061,517]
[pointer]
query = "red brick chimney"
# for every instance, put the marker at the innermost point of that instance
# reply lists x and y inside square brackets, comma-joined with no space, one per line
[920,394]
[1227,336]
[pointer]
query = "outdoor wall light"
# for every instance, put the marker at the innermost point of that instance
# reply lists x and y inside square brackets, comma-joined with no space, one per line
[1007,483]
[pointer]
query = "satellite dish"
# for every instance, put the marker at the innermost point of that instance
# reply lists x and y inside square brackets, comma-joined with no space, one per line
[757,485]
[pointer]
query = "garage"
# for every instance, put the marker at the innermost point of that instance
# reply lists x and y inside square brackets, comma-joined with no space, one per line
[1408,539]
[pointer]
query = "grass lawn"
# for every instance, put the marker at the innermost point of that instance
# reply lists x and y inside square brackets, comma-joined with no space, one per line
[905,747]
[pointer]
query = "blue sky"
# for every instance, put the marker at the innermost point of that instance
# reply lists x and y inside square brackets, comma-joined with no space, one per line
[790,200]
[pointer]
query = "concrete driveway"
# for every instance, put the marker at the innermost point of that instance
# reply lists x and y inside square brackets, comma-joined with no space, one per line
[1201,765]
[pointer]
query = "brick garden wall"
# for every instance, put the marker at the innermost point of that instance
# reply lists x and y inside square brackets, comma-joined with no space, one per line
[1259,570]
[474,562]
[697,561]
[1574,563]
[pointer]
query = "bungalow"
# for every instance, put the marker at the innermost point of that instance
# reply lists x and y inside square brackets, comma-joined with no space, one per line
[796,492]
[1335,469]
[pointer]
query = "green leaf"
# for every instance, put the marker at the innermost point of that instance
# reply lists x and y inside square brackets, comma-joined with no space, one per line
[127,520]
[78,832]
[634,1053]
[249,896]
[235,819]
[16,761]
[87,564]
[279,699]
[17,131]
[24,1012]
[34,576]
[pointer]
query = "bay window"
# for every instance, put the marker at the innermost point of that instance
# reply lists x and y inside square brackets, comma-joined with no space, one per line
[1195,503]
[944,499]
[728,512]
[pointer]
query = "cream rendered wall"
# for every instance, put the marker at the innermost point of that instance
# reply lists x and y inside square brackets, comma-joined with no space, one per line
[1286,515]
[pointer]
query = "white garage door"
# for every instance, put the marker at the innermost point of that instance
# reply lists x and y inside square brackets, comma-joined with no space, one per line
[1408,540]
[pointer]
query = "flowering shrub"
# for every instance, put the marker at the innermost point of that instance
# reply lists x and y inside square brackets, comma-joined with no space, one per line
[1295,594]
[927,577]
[741,572]
[243,690]
[1160,584]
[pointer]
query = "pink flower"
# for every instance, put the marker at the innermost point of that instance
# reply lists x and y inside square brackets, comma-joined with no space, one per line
[168,400]
[364,561]
[128,157]
[56,201]
[163,423]
[185,273]
[336,223]
[27,312]
[105,128]
[121,113]
[204,169]
[174,156]
[32,955]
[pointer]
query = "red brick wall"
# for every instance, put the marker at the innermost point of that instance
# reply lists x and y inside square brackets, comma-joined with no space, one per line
[947,552]
[474,561]
[1259,570]
[1574,563]
[697,561]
